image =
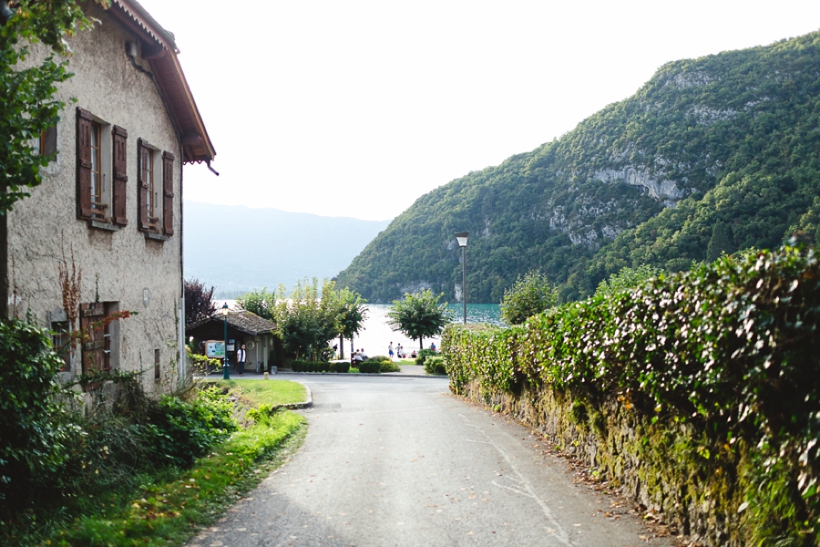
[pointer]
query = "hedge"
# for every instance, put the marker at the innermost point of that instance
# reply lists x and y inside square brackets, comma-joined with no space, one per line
[723,359]
[319,366]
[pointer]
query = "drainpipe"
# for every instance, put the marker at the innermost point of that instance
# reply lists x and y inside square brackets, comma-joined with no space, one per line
[5,12]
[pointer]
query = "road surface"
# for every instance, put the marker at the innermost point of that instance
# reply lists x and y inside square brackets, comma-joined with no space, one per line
[400,462]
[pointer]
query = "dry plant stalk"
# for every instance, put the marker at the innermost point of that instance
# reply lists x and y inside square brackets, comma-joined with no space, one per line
[15,298]
[70,285]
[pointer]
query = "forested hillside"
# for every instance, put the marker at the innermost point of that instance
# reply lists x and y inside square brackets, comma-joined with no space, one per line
[712,155]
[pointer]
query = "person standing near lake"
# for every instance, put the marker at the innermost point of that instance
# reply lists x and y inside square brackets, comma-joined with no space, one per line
[241,355]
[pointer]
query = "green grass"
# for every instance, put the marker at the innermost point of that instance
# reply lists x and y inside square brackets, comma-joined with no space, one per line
[168,512]
[271,392]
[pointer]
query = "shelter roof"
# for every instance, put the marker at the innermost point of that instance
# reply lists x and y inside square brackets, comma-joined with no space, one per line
[244,321]
[160,49]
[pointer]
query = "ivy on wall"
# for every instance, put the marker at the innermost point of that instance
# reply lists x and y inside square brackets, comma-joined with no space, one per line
[728,349]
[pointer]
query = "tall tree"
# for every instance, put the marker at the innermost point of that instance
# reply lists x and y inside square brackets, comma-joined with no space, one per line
[260,302]
[627,278]
[27,104]
[305,320]
[531,294]
[199,301]
[719,243]
[419,315]
[351,313]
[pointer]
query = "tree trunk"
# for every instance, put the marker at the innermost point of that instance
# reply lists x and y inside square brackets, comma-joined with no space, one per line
[341,347]
[421,343]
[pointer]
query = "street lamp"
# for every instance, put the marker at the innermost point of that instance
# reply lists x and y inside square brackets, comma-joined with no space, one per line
[226,371]
[461,239]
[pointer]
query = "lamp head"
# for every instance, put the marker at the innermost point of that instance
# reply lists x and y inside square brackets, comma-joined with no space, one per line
[461,238]
[224,309]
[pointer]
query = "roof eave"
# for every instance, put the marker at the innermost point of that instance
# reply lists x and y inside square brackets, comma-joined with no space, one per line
[170,79]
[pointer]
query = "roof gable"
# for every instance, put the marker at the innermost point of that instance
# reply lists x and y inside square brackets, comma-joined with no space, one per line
[159,48]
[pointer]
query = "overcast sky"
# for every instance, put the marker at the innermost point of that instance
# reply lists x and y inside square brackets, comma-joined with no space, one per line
[359,107]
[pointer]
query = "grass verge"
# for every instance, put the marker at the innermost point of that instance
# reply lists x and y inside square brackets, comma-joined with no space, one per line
[169,511]
[271,392]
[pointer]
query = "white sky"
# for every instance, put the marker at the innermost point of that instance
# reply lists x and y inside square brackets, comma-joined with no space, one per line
[358,107]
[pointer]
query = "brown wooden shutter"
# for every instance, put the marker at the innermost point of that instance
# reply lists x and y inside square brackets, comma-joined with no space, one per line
[120,216]
[143,156]
[84,128]
[96,345]
[168,193]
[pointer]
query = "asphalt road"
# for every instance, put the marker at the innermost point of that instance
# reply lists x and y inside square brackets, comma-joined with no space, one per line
[399,462]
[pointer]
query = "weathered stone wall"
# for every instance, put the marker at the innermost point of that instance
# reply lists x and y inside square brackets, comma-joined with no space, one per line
[663,466]
[121,266]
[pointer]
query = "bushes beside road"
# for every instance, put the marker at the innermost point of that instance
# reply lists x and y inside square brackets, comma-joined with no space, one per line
[698,392]
[110,472]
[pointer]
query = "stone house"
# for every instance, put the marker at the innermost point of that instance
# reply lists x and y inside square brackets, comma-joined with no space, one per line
[110,204]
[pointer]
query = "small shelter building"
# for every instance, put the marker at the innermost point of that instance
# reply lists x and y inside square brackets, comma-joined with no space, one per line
[244,327]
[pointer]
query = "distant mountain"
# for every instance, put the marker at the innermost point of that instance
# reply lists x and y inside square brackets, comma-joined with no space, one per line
[711,155]
[237,249]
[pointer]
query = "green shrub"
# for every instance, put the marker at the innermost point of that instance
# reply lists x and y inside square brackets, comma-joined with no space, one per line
[341,366]
[434,364]
[370,367]
[530,295]
[424,354]
[181,431]
[389,366]
[310,366]
[36,427]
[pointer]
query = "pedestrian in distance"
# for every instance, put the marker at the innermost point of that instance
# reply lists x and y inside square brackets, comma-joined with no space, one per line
[390,350]
[241,355]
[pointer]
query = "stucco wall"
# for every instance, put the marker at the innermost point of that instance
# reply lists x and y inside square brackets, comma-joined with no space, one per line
[120,266]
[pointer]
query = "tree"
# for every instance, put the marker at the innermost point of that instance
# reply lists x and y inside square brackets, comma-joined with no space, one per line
[262,303]
[199,302]
[530,295]
[719,244]
[27,105]
[351,314]
[627,278]
[419,315]
[306,322]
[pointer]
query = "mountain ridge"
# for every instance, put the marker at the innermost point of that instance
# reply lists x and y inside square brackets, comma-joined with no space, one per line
[725,139]
[238,248]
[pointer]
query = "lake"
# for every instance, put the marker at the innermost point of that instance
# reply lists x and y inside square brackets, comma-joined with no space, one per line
[376,335]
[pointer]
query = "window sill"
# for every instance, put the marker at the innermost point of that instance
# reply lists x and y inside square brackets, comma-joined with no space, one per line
[100,225]
[156,237]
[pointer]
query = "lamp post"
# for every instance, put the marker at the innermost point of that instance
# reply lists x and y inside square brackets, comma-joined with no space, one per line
[461,239]
[226,371]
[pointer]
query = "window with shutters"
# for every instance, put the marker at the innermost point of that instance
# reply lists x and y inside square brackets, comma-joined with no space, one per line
[147,190]
[101,171]
[156,190]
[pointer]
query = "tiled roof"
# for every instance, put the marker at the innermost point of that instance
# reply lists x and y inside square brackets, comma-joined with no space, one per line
[244,321]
